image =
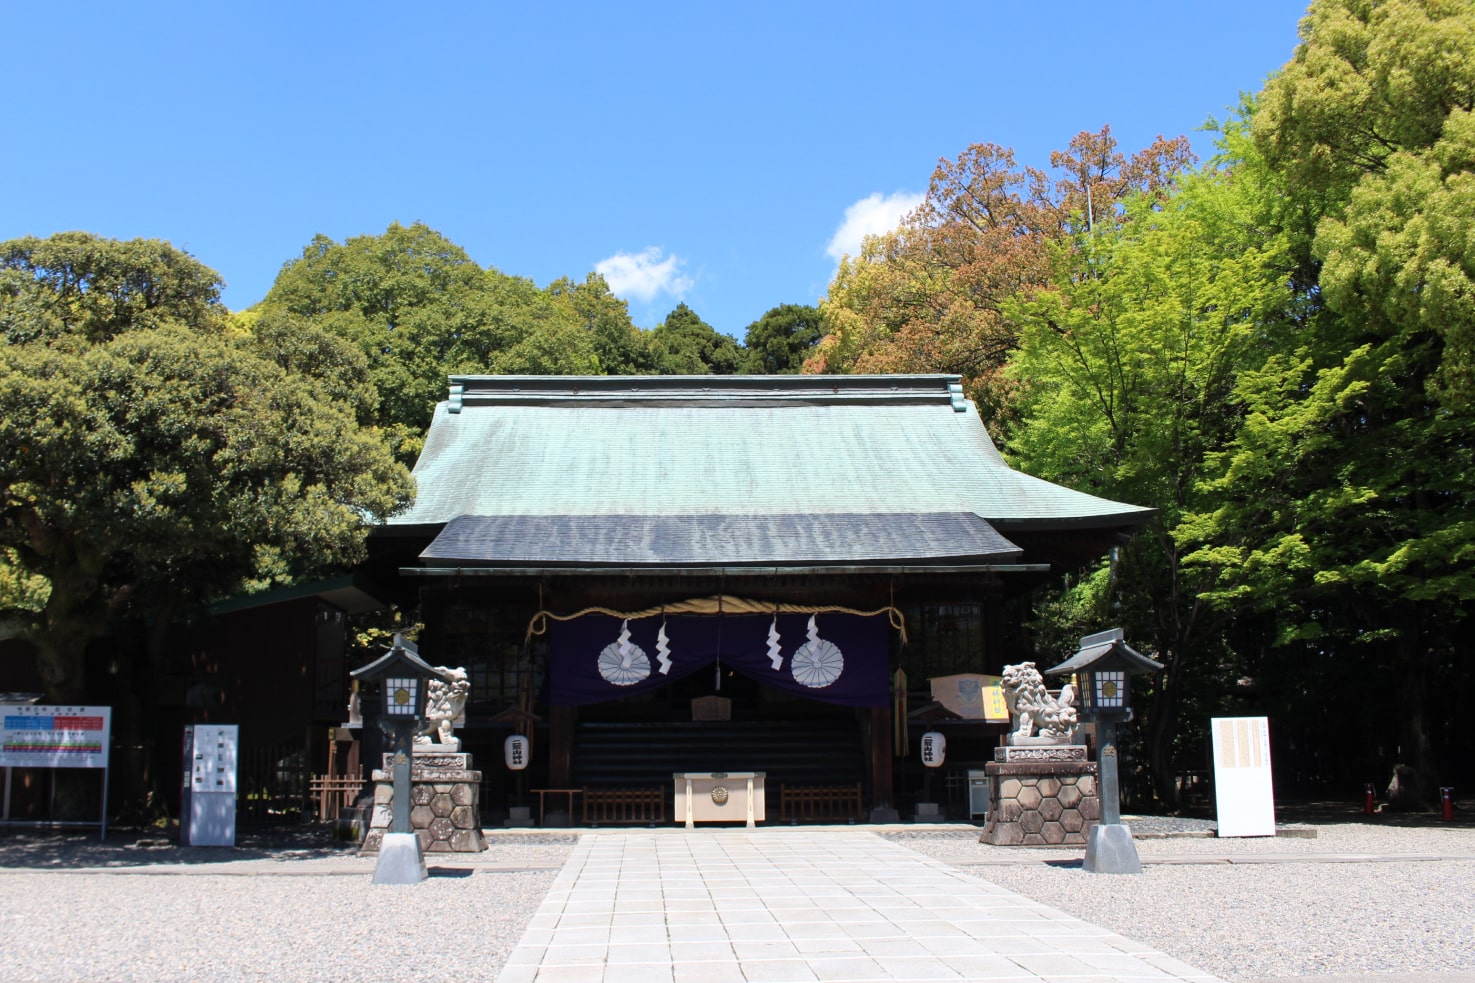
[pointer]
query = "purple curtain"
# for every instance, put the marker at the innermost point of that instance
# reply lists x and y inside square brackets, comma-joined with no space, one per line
[836,658]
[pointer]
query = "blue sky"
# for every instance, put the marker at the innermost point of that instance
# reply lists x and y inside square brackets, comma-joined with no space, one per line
[699,152]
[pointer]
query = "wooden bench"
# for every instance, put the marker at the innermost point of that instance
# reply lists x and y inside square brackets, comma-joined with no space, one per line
[624,804]
[819,803]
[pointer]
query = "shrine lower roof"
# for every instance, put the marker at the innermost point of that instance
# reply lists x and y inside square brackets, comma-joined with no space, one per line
[652,541]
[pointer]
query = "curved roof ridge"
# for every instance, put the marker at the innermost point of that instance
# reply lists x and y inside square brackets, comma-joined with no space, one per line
[704,390]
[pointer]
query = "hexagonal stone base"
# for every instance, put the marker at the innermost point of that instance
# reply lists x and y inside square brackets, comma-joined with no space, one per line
[444,809]
[1041,803]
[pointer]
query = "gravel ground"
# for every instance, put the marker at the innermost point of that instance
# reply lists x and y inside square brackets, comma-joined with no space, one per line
[1257,920]
[130,909]
[155,914]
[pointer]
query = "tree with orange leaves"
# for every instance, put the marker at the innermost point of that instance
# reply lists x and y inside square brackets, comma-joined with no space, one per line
[929,296]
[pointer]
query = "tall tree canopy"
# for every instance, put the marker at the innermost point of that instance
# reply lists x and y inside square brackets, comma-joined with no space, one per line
[684,344]
[1126,372]
[1359,424]
[781,340]
[420,309]
[930,296]
[150,457]
[621,347]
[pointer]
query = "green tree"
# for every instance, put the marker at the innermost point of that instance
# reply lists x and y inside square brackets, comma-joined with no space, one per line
[1125,375]
[684,344]
[1347,495]
[150,458]
[780,340]
[420,309]
[621,347]
[930,296]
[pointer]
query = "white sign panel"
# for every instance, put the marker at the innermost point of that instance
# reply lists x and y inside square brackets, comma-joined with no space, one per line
[54,737]
[1243,791]
[213,763]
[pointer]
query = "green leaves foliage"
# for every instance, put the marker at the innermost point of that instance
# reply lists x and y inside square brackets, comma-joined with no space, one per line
[155,461]
[780,341]
[684,344]
[420,309]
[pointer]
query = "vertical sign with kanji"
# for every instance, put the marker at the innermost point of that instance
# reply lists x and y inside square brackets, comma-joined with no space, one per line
[1243,792]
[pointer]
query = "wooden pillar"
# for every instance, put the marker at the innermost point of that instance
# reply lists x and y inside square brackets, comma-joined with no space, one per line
[560,745]
[882,794]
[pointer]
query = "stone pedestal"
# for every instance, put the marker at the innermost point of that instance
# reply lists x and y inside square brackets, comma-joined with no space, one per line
[445,809]
[1041,796]
[1110,850]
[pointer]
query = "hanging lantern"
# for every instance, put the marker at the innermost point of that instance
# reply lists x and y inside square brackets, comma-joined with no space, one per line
[515,752]
[934,749]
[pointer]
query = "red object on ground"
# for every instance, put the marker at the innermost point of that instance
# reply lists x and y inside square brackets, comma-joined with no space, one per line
[1447,803]
[1370,801]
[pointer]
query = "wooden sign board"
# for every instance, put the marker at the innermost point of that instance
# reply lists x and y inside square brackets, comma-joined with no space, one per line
[972,696]
[711,708]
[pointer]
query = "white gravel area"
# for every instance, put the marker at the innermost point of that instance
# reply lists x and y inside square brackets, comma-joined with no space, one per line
[294,914]
[1271,908]
[1355,902]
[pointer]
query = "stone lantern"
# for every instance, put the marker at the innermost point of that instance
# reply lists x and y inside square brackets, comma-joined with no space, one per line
[403,679]
[1103,667]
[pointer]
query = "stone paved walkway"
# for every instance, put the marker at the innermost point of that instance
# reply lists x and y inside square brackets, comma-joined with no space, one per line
[731,906]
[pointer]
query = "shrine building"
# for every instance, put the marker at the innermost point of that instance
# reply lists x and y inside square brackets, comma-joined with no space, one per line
[730,574]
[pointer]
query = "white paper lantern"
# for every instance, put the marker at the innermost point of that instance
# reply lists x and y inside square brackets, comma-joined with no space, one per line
[515,752]
[934,749]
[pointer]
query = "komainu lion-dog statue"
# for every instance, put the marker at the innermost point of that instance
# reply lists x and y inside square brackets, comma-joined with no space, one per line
[444,702]
[1039,718]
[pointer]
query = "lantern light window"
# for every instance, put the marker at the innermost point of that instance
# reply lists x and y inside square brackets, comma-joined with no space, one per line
[399,695]
[1111,688]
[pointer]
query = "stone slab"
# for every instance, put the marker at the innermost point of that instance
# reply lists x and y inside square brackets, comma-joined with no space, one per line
[434,776]
[421,760]
[1057,752]
[992,768]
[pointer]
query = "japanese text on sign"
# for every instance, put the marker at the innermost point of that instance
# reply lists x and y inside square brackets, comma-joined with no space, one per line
[54,736]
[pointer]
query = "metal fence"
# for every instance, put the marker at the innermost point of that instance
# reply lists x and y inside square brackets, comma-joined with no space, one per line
[273,785]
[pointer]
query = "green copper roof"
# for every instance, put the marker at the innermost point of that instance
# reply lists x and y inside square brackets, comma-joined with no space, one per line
[728,445]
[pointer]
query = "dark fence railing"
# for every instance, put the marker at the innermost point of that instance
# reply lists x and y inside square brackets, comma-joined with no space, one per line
[273,785]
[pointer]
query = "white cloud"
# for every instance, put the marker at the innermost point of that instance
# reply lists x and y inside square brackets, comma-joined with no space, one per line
[644,274]
[872,215]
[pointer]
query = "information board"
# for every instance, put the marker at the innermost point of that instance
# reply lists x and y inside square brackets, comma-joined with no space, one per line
[55,736]
[1243,789]
[207,808]
[972,696]
[210,756]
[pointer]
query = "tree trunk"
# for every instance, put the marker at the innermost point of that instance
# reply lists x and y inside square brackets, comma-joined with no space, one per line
[1415,750]
[1160,731]
[73,616]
